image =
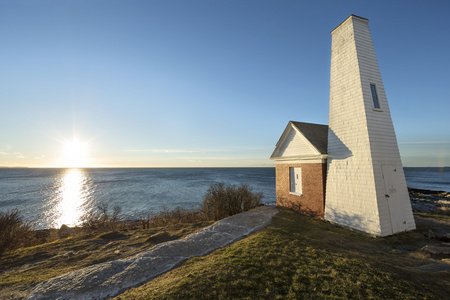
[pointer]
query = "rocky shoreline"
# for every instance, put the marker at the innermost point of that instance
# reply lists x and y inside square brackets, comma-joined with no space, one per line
[433,203]
[427,201]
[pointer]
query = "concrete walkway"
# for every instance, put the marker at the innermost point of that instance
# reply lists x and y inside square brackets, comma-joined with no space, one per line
[112,278]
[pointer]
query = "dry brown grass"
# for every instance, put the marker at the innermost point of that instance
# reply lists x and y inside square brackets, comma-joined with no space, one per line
[15,232]
[172,217]
[101,220]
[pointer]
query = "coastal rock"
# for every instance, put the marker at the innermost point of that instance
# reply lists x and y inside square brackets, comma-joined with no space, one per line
[161,237]
[69,254]
[430,234]
[64,231]
[114,235]
[436,249]
[110,278]
[445,238]
[427,201]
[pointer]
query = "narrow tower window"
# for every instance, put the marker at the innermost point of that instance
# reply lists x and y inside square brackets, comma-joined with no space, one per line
[373,89]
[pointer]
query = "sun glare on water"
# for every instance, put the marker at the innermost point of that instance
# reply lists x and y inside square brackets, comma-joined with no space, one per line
[71,197]
[74,154]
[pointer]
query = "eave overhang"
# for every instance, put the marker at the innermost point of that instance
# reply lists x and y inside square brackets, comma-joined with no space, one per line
[300,157]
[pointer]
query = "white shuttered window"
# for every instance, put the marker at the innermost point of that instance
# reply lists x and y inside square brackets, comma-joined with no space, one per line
[296,180]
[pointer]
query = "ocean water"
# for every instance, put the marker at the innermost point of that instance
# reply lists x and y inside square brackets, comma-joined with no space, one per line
[52,197]
[435,179]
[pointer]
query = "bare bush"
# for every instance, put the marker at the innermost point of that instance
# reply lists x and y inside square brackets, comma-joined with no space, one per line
[219,202]
[176,216]
[101,220]
[222,201]
[14,231]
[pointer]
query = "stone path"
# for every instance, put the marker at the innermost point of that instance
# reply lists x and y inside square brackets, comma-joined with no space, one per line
[111,278]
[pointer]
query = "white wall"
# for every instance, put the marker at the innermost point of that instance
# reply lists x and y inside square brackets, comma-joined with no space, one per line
[361,140]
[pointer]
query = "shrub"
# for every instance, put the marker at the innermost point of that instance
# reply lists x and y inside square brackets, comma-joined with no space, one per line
[101,220]
[14,231]
[176,216]
[222,201]
[219,202]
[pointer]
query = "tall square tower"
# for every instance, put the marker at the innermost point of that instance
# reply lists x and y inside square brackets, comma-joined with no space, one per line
[365,187]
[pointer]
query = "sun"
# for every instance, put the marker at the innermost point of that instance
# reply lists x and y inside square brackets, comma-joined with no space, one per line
[74,153]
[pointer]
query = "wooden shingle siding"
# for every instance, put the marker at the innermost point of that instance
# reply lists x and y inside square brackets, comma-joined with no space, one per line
[361,139]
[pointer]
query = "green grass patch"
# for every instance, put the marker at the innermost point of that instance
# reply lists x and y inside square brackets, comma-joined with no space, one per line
[300,257]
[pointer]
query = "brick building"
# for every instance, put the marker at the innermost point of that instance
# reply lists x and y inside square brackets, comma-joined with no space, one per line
[300,157]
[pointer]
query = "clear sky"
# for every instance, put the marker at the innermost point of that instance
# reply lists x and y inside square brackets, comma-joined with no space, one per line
[204,83]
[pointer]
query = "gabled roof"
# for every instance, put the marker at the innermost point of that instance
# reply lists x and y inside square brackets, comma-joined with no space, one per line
[302,141]
[316,134]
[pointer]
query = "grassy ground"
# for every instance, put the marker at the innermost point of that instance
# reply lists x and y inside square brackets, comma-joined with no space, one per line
[296,257]
[23,268]
[300,257]
[28,257]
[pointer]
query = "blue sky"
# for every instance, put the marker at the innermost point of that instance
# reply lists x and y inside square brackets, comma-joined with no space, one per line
[205,83]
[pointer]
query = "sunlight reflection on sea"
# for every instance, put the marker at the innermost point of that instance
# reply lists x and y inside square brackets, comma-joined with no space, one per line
[73,198]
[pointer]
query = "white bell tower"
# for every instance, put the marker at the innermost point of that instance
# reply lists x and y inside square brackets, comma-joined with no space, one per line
[366,188]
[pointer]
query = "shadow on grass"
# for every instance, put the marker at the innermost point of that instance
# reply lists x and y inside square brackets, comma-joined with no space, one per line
[300,257]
